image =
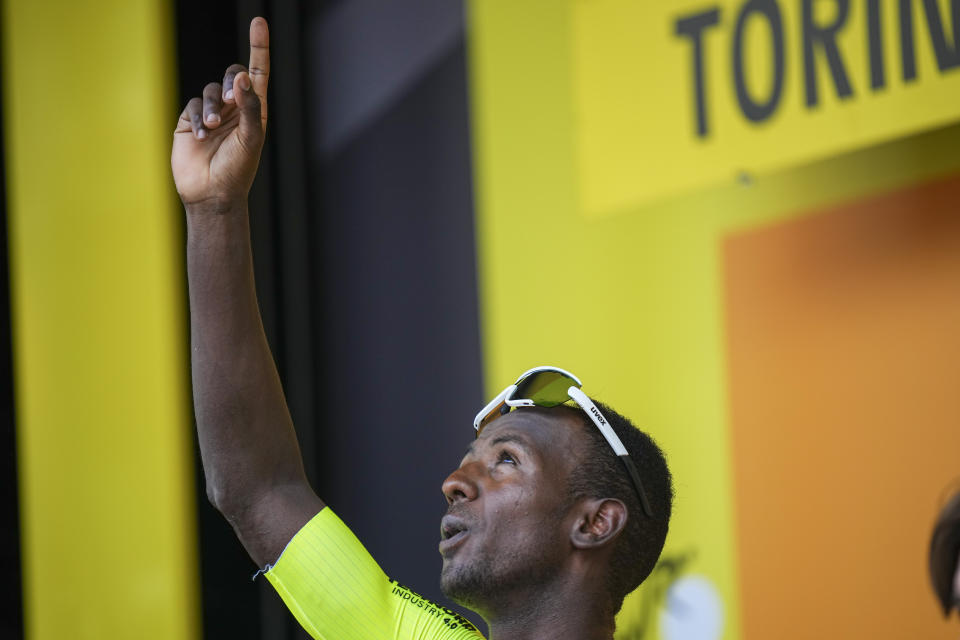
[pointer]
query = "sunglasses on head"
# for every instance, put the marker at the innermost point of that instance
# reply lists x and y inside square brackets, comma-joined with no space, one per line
[550,387]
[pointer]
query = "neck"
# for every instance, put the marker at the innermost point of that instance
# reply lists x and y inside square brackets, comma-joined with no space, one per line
[565,610]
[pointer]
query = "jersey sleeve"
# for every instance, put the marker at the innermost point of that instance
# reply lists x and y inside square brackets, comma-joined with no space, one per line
[337,591]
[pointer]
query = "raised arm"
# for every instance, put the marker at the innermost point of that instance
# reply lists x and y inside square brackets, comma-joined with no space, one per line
[251,459]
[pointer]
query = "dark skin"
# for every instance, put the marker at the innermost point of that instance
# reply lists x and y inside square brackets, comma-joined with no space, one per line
[542,561]
[530,562]
[251,459]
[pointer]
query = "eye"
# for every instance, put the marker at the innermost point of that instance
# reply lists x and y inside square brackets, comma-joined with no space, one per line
[507,457]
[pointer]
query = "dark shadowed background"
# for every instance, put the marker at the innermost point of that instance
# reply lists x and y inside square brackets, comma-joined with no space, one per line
[362,222]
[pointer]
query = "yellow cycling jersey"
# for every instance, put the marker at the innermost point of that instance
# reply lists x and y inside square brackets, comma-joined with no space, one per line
[336,590]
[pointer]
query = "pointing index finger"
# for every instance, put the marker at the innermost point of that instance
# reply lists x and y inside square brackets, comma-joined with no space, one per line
[259,67]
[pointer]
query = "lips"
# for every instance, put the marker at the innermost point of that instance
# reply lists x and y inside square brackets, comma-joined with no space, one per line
[453,531]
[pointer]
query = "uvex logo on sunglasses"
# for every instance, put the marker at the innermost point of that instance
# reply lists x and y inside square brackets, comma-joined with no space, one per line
[594,411]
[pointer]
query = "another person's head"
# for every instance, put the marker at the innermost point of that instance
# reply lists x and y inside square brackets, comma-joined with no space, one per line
[945,556]
[541,498]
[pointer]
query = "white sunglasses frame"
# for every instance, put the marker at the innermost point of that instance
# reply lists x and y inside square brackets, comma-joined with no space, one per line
[506,398]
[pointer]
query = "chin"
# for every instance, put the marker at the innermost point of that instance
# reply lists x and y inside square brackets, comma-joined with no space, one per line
[450,580]
[465,585]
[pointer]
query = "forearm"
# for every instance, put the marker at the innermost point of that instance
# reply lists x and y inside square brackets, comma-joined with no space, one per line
[247,441]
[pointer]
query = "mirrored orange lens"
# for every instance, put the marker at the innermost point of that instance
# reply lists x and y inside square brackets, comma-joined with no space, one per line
[487,419]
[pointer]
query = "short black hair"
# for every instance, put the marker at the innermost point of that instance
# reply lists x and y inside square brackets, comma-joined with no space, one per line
[945,552]
[601,474]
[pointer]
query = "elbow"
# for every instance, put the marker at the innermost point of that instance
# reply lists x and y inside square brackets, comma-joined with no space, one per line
[222,500]
[235,502]
[214,496]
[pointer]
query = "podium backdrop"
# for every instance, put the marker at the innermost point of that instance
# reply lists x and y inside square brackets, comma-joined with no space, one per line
[735,220]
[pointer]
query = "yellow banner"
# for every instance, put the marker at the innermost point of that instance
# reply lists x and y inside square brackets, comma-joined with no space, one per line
[671,96]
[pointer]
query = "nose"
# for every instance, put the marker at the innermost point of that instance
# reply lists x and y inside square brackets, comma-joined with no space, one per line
[460,485]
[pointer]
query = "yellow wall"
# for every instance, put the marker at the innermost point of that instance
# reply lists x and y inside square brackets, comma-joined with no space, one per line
[633,301]
[103,427]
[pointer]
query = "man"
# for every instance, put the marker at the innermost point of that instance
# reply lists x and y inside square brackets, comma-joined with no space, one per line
[556,512]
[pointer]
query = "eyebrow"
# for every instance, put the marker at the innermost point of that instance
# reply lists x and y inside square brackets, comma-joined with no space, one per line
[517,439]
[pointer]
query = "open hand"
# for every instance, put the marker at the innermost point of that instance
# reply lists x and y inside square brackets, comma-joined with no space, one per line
[217,142]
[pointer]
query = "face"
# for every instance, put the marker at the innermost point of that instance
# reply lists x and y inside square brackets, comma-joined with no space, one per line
[507,524]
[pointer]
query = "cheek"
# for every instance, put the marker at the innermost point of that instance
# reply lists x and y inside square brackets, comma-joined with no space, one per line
[509,509]
[530,514]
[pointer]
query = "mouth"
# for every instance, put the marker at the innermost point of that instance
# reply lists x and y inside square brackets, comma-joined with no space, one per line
[452,532]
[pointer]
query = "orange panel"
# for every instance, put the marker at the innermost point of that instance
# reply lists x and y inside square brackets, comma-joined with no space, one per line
[843,335]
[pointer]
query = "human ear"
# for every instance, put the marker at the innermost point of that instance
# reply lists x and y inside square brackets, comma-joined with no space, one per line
[600,522]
